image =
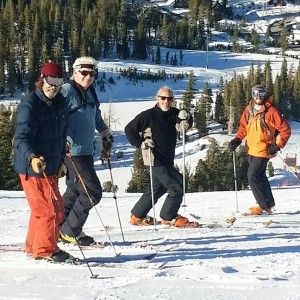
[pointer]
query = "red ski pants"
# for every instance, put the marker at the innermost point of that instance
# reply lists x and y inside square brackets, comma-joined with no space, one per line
[46,215]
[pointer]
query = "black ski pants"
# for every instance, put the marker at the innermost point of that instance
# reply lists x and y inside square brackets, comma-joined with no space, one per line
[76,201]
[166,179]
[259,182]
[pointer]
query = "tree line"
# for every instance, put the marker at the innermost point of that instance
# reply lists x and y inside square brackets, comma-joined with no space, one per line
[33,32]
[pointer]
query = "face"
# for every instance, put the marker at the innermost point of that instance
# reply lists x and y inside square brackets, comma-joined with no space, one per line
[259,97]
[165,99]
[84,77]
[50,90]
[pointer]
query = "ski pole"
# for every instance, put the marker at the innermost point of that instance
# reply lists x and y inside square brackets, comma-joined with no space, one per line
[183,171]
[151,186]
[288,167]
[235,181]
[88,195]
[93,276]
[114,196]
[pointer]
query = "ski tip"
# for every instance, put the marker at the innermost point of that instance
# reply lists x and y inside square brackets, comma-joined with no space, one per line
[151,256]
[230,220]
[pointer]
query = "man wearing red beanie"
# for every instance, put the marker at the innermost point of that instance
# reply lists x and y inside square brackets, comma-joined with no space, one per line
[40,146]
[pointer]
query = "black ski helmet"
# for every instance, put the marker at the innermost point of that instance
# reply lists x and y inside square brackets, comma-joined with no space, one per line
[259,91]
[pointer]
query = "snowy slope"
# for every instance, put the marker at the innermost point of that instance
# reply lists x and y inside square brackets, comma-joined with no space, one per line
[245,261]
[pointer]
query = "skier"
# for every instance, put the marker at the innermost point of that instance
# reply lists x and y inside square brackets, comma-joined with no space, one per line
[39,148]
[84,118]
[267,132]
[158,127]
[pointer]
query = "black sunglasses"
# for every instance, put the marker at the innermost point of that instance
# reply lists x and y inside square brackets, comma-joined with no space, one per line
[164,98]
[85,73]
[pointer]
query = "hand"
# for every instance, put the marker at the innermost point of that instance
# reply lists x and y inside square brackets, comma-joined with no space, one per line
[38,164]
[68,147]
[184,115]
[273,149]
[183,126]
[107,143]
[62,170]
[233,144]
[147,143]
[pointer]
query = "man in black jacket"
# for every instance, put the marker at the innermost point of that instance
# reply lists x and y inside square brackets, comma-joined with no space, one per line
[156,129]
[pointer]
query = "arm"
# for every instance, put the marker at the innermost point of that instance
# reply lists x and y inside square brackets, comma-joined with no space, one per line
[283,128]
[25,131]
[242,130]
[134,129]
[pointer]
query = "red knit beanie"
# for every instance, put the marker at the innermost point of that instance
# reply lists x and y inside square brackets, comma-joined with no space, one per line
[52,69]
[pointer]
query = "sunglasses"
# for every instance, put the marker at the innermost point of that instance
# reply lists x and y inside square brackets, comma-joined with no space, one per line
[54,81]
[164,98]
[85,73]
[258,94]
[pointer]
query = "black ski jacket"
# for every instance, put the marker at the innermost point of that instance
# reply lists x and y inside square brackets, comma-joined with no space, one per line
[164,134]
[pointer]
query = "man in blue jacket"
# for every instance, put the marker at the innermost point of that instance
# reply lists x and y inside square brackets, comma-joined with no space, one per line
[83,186]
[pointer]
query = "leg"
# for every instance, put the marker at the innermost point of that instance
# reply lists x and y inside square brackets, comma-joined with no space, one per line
[259,182]
[45,217]
[80,201]
[144,204]
[171,179]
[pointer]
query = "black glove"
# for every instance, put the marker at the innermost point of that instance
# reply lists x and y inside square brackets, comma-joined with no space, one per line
[273,149]
[107,143]
[233,144]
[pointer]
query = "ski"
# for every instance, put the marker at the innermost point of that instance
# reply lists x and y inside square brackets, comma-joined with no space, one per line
[11,248]
[139,265]
[122,258]
[216,224]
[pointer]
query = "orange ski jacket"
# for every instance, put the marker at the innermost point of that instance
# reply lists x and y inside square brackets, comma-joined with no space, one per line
[263,129]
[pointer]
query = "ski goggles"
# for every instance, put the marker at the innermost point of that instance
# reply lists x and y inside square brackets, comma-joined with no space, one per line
[85,73]
[54,81]
[259,94]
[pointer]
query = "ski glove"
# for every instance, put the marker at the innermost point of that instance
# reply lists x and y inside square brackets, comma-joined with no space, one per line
[183,126]
[147,143]
[184,115]
[233,144]
[38,164]
[62,170]
[273,149]
[107,143]
[68,147]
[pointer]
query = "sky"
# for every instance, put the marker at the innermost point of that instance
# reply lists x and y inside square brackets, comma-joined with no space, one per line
[244,261]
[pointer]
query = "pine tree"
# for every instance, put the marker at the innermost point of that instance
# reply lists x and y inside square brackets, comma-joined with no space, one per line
[200,117]
[140,174]
[158,56]
[8,177]
[188,95]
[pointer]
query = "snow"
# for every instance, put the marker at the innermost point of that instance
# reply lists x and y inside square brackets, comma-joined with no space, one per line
[244,261]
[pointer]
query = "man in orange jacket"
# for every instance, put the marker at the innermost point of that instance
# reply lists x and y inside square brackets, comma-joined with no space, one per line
[267,132]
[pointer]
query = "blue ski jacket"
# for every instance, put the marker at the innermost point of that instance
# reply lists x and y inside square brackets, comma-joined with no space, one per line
[84,118]
[40,131]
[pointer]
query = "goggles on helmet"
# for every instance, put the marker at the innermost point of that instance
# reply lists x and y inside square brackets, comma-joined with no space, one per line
[54,81]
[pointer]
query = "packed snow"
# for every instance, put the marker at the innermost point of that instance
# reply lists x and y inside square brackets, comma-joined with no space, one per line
[253,258]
